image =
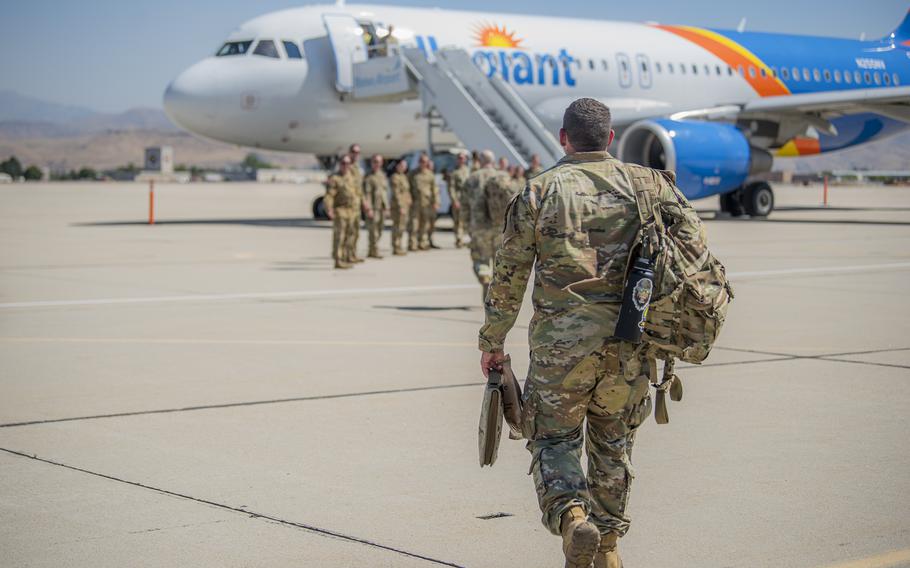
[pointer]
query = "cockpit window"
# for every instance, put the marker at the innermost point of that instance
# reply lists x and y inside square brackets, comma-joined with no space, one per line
[266,48]
[234,48]
[292,50]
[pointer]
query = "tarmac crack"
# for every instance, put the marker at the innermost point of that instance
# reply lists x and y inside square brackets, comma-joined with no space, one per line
[303,526]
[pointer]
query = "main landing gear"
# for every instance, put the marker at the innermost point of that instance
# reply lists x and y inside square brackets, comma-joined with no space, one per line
[755,199]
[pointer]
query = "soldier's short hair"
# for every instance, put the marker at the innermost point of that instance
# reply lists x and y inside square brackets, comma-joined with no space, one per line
[487,157]
[587,123]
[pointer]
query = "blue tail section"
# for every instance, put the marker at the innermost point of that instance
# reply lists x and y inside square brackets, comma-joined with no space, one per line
[901,35]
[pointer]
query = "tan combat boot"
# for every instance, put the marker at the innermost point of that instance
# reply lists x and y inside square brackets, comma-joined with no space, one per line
[607,556]
[342,265]
[580,538]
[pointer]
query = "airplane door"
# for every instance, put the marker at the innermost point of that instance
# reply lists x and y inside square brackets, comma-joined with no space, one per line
[346,37]
[624,68]
[644,70]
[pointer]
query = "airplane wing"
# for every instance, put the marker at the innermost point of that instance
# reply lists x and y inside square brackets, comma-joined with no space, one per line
[799,112]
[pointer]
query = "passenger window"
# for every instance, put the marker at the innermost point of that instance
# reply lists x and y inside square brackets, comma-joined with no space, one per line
[806,75]
[795,74]
[234,48]
[785,73]
[658,67]
[751,71]
[816,75]
[694,69]
[887,78]
[670,68]
[848,77]
[774,71]
[827,76]
[605,65]
[741,70]
[717,69]
[896,79]
[292,50]
[878,78]
[837,75]
[867,77]
[857,77]
[682,68]
[591,64]
[266,48]
[764,73]
[729,71]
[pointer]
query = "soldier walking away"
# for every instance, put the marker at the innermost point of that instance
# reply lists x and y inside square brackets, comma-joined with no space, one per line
[357,171]
[534,167]
[343,205]
[484,230]
[575,225]
[425,193]
[456,195]
[401,206]
[375,192]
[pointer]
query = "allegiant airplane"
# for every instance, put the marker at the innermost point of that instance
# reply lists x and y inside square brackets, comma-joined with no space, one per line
[713,105]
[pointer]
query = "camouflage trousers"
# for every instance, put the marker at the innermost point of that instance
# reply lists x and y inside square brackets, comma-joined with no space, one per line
[400,219]
[345,227]
[458,225]
[484,243]
[610,389]
[374,230]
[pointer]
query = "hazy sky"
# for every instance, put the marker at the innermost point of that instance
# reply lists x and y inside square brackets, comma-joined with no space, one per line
[111,55]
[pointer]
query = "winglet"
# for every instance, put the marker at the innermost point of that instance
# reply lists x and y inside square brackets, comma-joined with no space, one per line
[901,36]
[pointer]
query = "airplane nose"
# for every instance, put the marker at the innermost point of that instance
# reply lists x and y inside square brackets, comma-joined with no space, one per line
[188,100]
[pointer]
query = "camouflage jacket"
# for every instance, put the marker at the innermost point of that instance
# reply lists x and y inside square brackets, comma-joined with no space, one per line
[475,194]
[499,191]
[456,183]
[574,224]
[343,191]
[401,191]
[376,190]
[424,189]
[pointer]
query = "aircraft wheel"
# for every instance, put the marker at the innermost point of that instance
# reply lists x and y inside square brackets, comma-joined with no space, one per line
[319,208]
[730,203]
[758,199]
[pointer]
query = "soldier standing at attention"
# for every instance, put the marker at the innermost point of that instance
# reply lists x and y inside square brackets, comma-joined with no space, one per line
[376,191]
[456,196]
[356,171]
[534,167]
[484,230]
[425,192]
[401,206]
[574,225]
[342,203]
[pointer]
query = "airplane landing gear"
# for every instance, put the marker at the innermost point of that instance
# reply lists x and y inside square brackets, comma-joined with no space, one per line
[755,199]
[758,199]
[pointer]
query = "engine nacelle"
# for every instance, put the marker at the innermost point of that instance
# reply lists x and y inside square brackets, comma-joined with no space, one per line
[708,157]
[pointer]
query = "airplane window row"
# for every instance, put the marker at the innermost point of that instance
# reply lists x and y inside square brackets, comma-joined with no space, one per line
[265,48]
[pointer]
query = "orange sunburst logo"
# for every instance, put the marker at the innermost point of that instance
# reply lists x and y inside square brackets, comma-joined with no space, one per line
[491,35]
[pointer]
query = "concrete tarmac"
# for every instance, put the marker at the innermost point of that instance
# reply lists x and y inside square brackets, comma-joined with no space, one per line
[208,391]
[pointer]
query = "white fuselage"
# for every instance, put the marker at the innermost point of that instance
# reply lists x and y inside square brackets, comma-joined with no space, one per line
[293,105]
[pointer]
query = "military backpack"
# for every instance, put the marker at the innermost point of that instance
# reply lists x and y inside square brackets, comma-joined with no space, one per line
[691,292]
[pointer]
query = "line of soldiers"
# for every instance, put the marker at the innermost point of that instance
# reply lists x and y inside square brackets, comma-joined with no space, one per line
[479,195]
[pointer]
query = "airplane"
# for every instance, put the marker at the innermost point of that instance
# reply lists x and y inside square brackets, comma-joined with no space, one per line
[716,106]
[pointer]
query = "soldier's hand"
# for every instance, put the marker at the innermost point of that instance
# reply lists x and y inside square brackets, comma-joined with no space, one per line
[330,214]
[491,361]
[456,205]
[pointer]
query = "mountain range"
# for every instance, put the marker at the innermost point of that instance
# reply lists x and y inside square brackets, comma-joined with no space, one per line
[44,133]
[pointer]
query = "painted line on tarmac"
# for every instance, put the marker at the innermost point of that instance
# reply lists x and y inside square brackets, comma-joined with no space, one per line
[239,296]
[192,341]
[886,560]
[390,290]
[309,528]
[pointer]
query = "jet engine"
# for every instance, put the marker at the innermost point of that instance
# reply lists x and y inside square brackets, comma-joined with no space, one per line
[709,158]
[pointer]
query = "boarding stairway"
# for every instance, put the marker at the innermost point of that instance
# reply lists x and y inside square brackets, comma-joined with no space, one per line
[484,112]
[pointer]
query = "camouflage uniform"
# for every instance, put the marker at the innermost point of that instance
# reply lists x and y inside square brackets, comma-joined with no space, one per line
[456,195]
[401,207]
[499,191]
[577,222]
[376,193]
[484,230]
[358,176]
[425,193]
[533,172]
[343,199]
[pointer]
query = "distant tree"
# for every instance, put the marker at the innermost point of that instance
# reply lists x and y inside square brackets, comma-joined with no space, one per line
[12,167]
[86,173]
[253,161]
[181,168]
[32,173]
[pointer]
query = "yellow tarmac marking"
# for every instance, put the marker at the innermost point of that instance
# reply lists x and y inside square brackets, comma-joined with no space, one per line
[191,341]
[886,560]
